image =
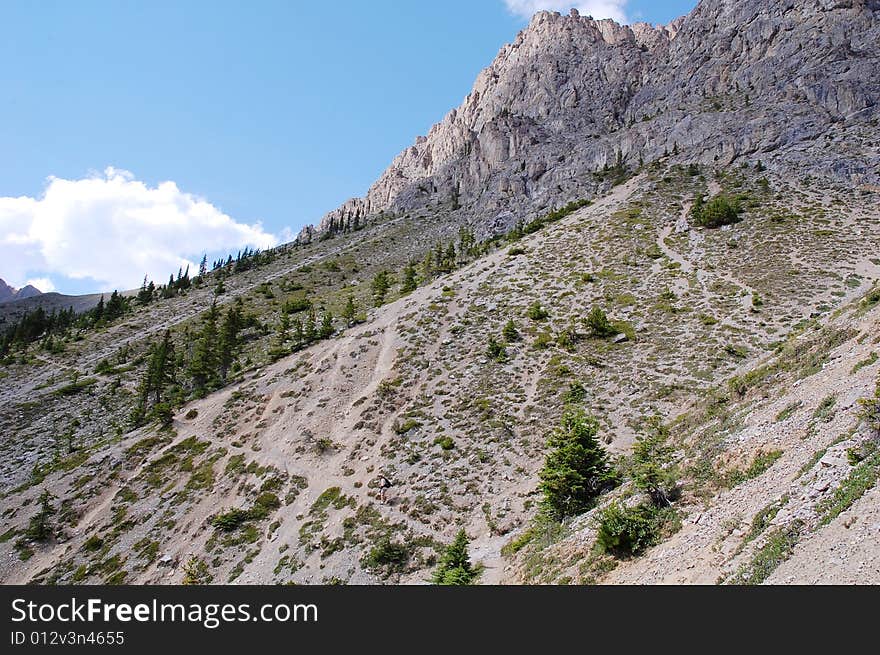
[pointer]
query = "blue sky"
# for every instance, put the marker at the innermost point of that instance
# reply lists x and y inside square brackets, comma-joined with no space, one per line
[263,112]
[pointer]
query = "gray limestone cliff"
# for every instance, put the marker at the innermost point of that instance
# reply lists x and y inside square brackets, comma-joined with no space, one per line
[791,82]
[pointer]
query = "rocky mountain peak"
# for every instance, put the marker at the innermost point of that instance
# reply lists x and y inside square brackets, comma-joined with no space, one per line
[571,95]
[9,293]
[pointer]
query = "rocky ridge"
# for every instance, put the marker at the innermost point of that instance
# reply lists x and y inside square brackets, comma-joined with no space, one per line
[792,83]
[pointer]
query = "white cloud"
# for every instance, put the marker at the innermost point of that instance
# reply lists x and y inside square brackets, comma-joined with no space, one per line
[44,284]
[615,9]
[113,229]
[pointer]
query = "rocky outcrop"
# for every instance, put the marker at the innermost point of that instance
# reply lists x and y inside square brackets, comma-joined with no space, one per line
[791,82]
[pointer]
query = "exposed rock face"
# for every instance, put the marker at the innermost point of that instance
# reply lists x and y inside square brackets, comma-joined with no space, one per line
[6,292]
[791,82]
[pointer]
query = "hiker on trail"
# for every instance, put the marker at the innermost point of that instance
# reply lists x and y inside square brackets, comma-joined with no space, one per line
[384,485]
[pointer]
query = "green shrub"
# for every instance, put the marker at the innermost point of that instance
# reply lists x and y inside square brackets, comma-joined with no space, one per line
[628,531]
[598,323]
[719,211]
[543,340]
[445,442]
[195,572]
[231,520]
[510,332]
[496,350]
[762,462]
[537,313]
[265,503]
[406,426]
[576,393]
[93,543]
[388,556]
[296,305]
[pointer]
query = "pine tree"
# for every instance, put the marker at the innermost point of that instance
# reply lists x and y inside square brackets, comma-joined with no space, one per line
[203,266]
[409,279]
[326,330]
[348,313]
[576,469]
[229,339]
[428,265]
[204,363]
[145,295]
[160,373]
[298,332]
[40,526]
[161,367]
[98,311]
[115,306]
[310,329]
[466,241]
[455,567]
[450,256]
[380,285]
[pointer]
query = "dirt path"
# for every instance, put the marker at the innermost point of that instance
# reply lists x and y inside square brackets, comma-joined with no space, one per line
[689,267]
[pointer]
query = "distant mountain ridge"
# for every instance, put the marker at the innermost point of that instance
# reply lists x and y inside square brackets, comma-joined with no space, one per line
[11,294]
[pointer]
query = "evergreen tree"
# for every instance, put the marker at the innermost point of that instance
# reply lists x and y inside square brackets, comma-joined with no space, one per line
[310,329]
[466,241]
[161,367]
[380,285]
[455,567]
[298,332]
[229,338]
[326,330]
[428,265]
[40,526]
[145,295]
[161,372]
[348,313]
[98,311]
[438,257]
[142,297]
[651,466]
[409,279]
[284,326]
[203,366]
[450,256]
[576,469]
[203,266]
[115,307]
